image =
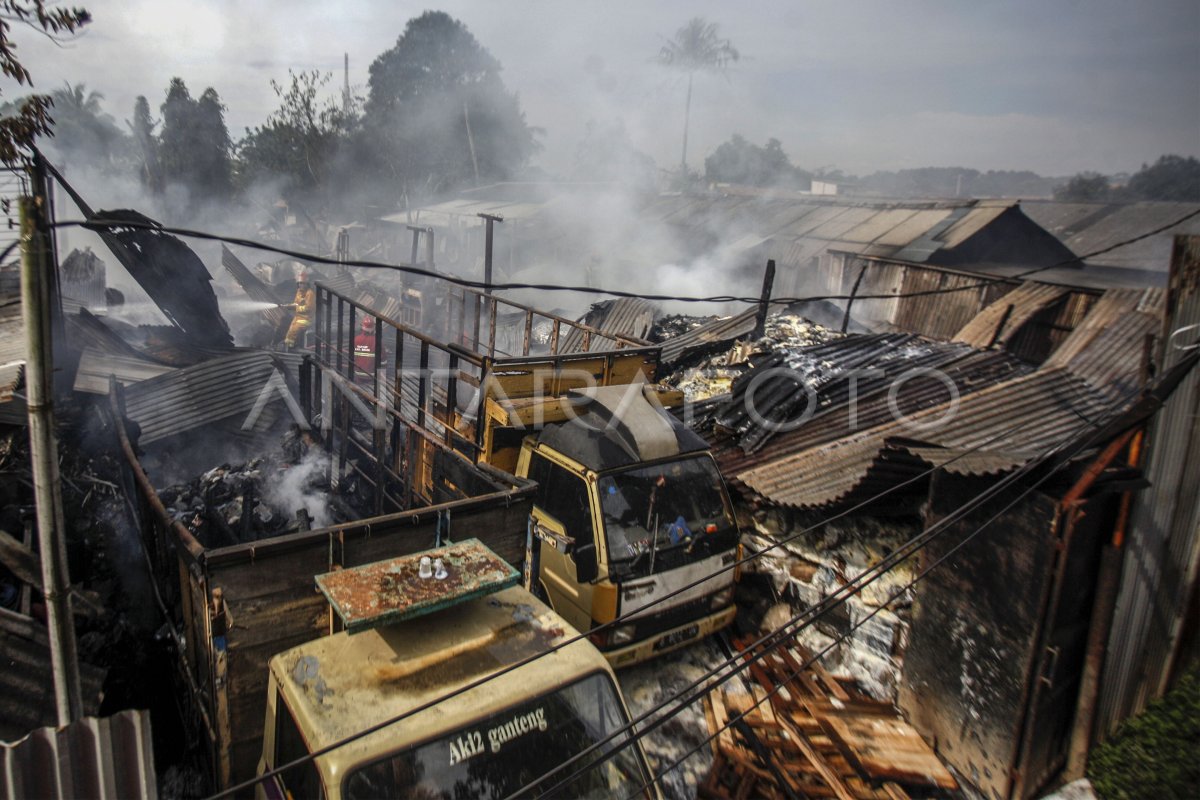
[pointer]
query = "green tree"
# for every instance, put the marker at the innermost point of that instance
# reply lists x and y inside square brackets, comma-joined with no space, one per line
[739,161]
[82,131]
[696,47]
[30,118]
[194,146]
[438,114]
[145,144]
[301,141]
[1171,177]
[1085,187]
[213,174]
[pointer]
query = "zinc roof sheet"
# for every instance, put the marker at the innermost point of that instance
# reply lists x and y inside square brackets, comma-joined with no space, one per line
[1025,301]
[1021,417]
[209,392]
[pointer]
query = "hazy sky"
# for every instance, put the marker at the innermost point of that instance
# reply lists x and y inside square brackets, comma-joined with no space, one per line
[1055,86]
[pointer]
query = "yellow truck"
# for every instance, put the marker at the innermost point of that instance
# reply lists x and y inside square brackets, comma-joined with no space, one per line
[631,518]
[486,693]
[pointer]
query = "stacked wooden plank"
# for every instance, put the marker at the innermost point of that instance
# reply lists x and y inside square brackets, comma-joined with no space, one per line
[800,732]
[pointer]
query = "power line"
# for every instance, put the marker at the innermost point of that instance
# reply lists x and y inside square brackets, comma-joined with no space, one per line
[773,640]
[98,223]
[1165,383]
[600,628]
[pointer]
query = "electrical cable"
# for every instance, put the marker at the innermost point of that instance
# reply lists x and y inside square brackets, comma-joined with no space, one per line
[605,626]
[99,223]
[767,643]
[1116,415]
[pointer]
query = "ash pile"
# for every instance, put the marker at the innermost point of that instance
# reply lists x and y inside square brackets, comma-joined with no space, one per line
[282,493]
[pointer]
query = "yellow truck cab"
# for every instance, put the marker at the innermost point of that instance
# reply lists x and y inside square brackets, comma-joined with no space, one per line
[631,511]
[487,741]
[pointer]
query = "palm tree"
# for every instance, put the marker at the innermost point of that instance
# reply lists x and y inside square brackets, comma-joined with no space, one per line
[696,48]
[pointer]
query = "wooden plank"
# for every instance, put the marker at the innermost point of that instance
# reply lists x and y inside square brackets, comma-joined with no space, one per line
[887,748]
[827,773]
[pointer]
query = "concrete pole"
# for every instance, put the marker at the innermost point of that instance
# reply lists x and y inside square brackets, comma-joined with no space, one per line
[43,450]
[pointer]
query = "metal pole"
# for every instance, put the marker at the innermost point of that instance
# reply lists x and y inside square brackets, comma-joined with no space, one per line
[43,449]
[489,220]
[764,303]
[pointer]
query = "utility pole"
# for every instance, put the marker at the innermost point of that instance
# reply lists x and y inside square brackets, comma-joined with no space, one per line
[43,448]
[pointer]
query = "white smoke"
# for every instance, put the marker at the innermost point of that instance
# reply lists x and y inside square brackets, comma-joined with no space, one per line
[296,488]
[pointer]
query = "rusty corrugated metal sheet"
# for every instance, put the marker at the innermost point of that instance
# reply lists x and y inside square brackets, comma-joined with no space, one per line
[1162,558]
[1026,300]
[1107,348]
[623,316]
[1019,417]
[969,370]
[215,390]
[711,334]
[26,686]
[90,758]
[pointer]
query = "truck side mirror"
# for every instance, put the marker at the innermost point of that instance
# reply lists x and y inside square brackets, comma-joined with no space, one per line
[586,569]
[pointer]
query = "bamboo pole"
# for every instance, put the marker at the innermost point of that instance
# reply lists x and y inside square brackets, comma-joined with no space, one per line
[43,451]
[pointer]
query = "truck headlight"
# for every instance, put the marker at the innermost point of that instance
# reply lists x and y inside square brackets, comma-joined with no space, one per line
[722,598]
[622,634]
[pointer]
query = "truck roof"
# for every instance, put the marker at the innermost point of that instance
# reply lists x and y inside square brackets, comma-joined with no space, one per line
[342,684]
[616,426]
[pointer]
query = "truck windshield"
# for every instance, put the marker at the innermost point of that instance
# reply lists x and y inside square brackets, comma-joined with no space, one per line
[500,754]
[665,515]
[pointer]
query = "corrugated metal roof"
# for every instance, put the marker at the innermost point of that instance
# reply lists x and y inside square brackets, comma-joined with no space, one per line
[1019,417]
[26,682]
[212,391]
[1107,348]
[1088,227]
[95,367]
[710,335]
[623,316]
[111,757]
[1026,300]
[972,223]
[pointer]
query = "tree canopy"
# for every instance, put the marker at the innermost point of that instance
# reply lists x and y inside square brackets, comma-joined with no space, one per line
[437,112]
[26,121]
[741,162]
[1171,178]
[696,47]
[194,148]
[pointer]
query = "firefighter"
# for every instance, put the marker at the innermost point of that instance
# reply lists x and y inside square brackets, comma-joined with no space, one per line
[305,303]
[364,353]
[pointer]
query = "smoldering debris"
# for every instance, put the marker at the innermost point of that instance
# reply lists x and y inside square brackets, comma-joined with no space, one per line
[816,562]
[262,498]
[784,335]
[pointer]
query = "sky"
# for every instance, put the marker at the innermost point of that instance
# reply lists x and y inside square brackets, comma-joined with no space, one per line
[1052,86]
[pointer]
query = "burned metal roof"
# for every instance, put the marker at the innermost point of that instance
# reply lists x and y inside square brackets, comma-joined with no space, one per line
[707,337]
[1010,422]
[1004,318]
[218,389]
[623,316]
[1108,349]
[12,325]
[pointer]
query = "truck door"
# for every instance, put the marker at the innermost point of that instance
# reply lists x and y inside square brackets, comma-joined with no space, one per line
[562,506]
